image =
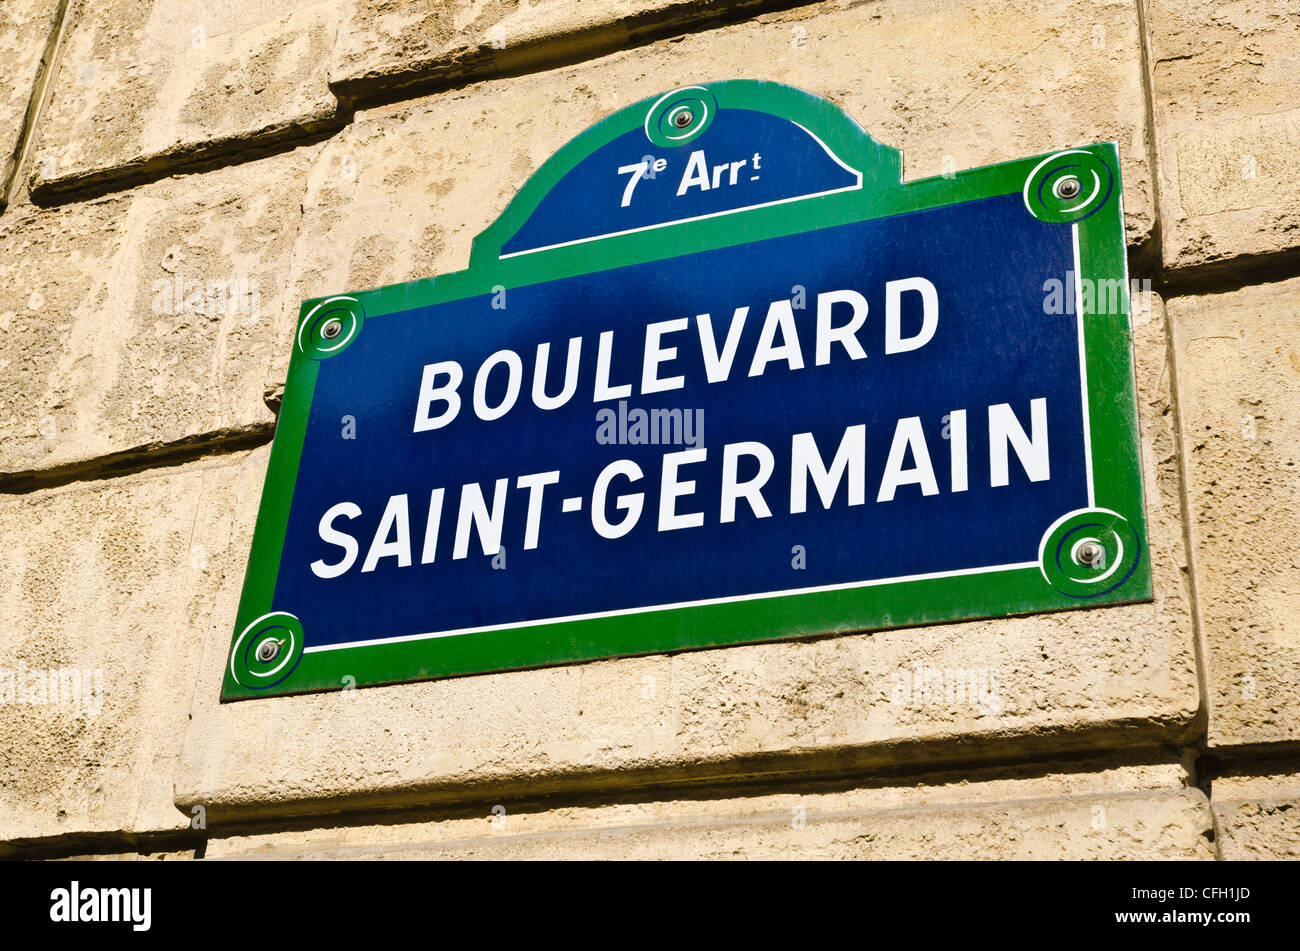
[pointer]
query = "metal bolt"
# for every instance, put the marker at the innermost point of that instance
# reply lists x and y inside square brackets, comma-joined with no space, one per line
[1068,188]
[683,119]
[267,650]
[332,329]
[1090,554]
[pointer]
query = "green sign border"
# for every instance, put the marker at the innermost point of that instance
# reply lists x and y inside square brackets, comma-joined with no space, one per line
[1117,518]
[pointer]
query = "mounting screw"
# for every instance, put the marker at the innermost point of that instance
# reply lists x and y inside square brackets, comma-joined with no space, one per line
[267,650]
[683,119]
[1090,554]
[332,329]
[1068,187]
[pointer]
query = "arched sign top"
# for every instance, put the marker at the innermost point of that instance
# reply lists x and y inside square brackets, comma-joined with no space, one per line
[695,153]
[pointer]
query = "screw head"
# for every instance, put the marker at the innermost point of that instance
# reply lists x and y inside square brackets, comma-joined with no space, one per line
[1068,187]
[1090,554]
[683,118]
[267,650]
[332,329]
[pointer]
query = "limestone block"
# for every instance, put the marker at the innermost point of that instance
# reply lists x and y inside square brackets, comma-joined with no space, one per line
[143,86]
[1227,128]
[1238,370]
[105,604]
[144,319]
[1123,812]
[25,29]
[383,47]
[1258,816]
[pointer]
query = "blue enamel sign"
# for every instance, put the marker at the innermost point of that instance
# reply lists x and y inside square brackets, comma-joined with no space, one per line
[715,376]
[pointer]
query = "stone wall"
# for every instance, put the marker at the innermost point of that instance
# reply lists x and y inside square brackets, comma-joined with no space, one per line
[286,150]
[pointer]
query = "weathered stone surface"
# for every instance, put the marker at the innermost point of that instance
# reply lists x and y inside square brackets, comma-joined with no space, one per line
[115,580]
[1259,815]
[144,318]
[25,28]
[144,85]
[137,577]
[1238,369]
[1110,677]
[383,47]
[1227,127]
[1121,813]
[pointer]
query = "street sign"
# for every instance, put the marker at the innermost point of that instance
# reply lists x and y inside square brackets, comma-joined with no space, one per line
[715,376]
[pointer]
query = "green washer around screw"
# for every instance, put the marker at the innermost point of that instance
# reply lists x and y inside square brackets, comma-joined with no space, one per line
[330,326]
[1047,184]
[1059,552]
[680,116]
[247,663]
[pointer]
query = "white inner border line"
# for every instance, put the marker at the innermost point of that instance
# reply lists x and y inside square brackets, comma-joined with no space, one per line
[1083,367]
[623,612]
